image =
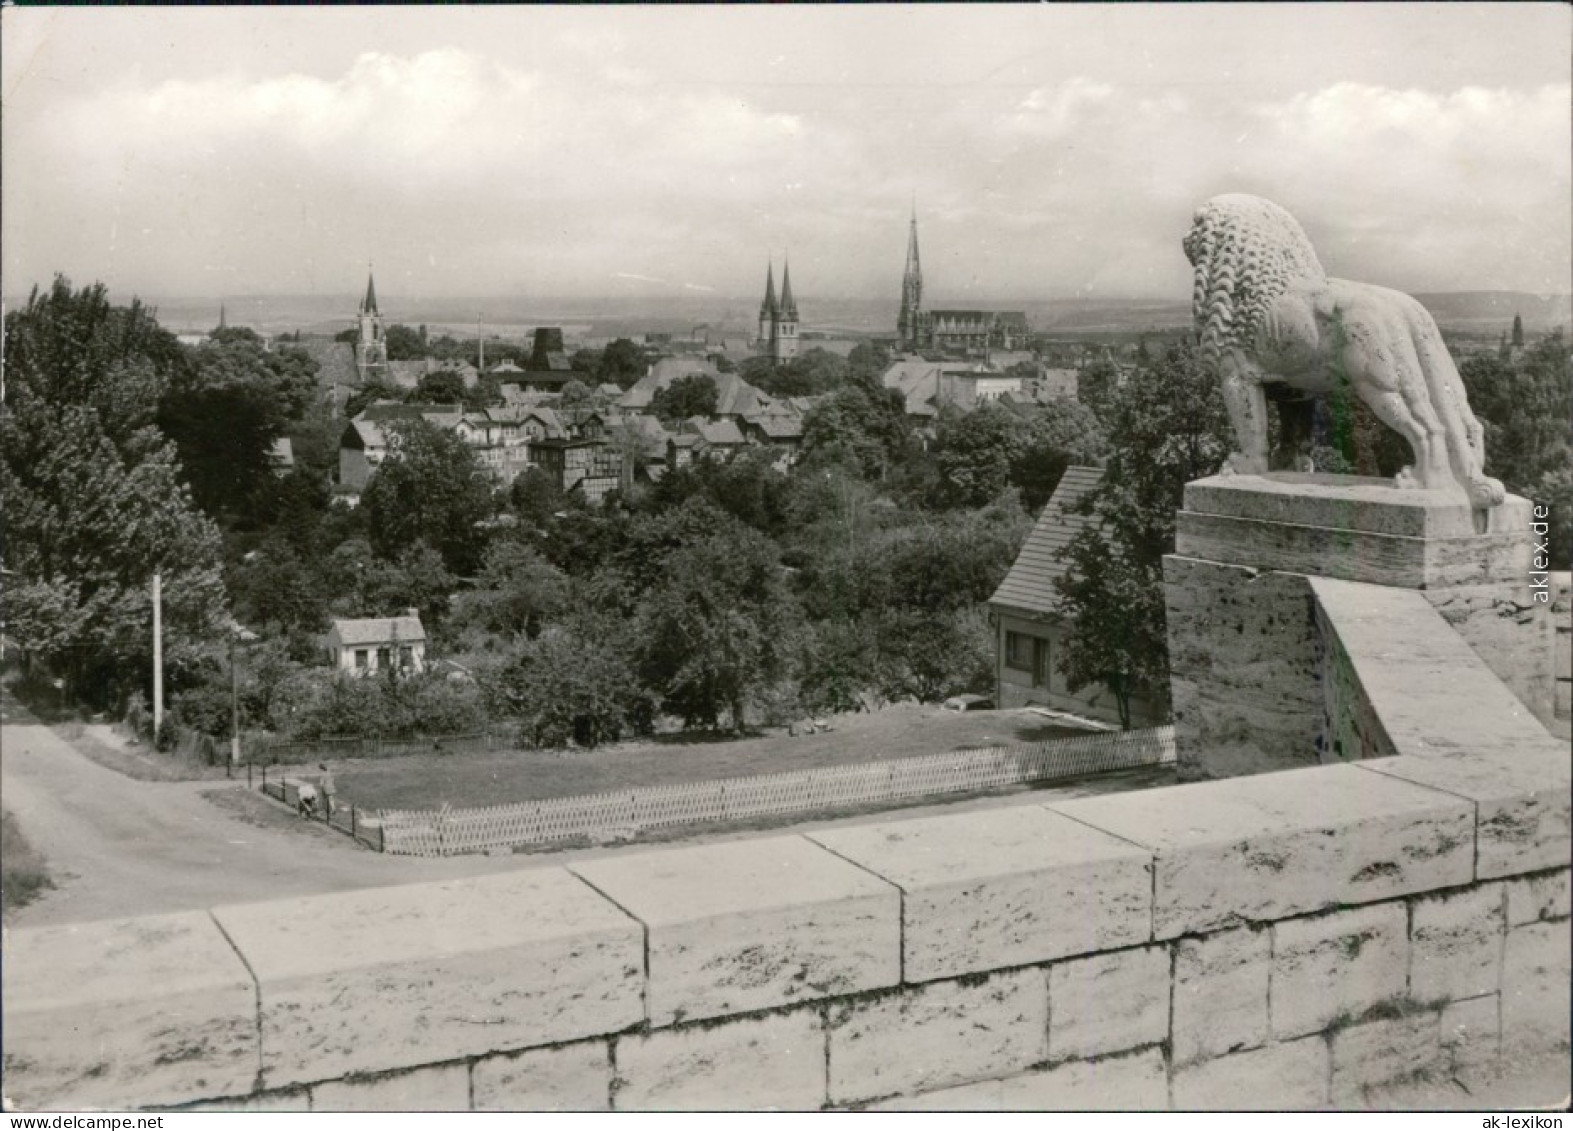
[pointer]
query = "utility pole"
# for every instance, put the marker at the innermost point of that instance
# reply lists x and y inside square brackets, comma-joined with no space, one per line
[158,655]
[234,698]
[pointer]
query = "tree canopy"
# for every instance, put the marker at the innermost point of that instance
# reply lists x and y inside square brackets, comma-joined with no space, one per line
[694,395]
[95,502]
[1167,426]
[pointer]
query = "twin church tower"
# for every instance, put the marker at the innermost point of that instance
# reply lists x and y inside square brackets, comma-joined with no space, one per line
[778,319]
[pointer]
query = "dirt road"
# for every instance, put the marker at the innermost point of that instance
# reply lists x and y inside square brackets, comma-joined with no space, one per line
[118,847]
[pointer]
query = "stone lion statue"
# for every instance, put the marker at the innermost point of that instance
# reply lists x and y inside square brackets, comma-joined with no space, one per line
[1269,315]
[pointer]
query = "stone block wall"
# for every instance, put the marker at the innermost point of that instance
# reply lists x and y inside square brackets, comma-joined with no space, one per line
[1254,672]
[1282,940]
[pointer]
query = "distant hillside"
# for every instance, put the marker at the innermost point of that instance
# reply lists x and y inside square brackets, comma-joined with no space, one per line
[1494,310]
[1469,312]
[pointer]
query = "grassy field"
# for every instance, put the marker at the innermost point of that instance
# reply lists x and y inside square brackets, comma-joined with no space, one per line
[23,875]
[503,777]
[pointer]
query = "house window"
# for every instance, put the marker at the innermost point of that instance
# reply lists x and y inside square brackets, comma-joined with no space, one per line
[384,657]
[406,656]
[1018,651]
[360,657]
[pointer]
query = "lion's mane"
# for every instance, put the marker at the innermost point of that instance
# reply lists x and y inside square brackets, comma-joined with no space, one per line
[1247,252]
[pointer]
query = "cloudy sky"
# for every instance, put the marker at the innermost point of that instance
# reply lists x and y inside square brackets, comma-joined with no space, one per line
[1051,150]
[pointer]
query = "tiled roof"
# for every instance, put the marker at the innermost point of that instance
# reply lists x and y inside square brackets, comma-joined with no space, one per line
[335,361]
[721,432]
[378,630]
[1029,586]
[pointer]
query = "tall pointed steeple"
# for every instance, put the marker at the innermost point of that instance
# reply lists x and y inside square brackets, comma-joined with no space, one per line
[370,305]
[371,348]
[909,324]
[223,323]
[768,308]
[788,306]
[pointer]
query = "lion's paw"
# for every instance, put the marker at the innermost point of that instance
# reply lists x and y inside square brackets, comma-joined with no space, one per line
[1486,492]
[1405,479]
[1239,463]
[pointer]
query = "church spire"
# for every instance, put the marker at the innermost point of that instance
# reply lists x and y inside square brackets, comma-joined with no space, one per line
[909,324]
[370,305]
[223,324]
[768,308]
[788,304]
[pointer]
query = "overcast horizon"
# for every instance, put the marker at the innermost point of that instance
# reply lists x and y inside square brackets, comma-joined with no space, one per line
[552,153]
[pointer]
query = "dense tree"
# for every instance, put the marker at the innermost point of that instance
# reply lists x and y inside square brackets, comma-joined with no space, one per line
[442,386]
[862,424]
[226,409]
[1518,332]
[404,344]
[568,686]
[622,363]
[1167,427]
[694,395]
[94,499]
[1523,404]
[810,373]
[429,488]
[713,621]
[574,394]
[868,361]
[369,392]
[1096,386]
[517,591]
[980,453]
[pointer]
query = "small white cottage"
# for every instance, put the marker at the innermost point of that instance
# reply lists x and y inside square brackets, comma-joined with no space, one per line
[378,643]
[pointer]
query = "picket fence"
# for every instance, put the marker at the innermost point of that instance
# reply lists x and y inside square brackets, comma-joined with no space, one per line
[623,814]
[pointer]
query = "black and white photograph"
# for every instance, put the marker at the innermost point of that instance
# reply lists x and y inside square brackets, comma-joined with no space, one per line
[786,558]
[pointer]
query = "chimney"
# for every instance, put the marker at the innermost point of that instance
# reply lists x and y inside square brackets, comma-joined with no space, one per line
[412,613]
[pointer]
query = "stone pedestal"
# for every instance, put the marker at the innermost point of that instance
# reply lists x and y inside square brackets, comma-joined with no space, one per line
[1245,651]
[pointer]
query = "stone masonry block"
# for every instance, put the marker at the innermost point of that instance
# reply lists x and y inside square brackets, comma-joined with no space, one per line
[1510,632]
[441,1087]
[127,1013]
[385,978]
[1539,897]
[936,1035]
[1455,944]
[297,1100]
[1135,1082]
[1535,979]
[1339,964]
[1274,845]
[1131,1082]
[1471,1032]
[576,1077]
[1522,797]
[1220,993]
[1381,1053]
[754,924]
[767,1063]
[1243,669]
[1291,1076]
[985,1095]
[1002,888]
[1108,1002]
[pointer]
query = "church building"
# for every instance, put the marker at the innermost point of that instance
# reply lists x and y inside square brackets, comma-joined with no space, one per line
[778,320]
[371,348]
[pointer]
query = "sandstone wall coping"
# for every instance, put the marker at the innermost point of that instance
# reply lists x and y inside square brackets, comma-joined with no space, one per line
[127,1012]
[750,925]
[1349,503]
[401,976]
[1274,845]
[1028,885]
